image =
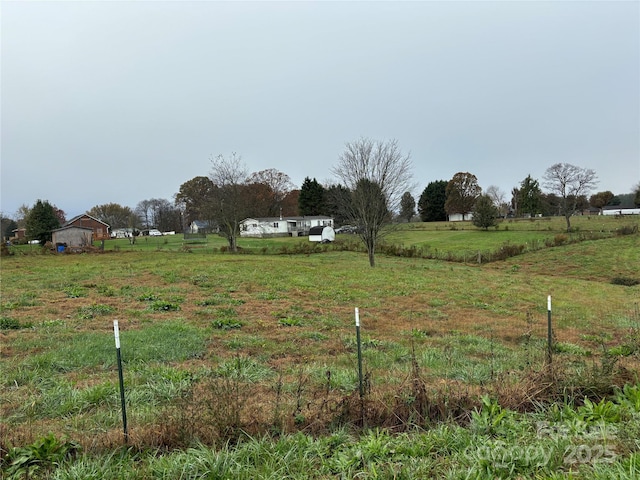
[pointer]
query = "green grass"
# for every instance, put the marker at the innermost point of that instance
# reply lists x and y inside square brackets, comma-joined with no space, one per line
[270,340]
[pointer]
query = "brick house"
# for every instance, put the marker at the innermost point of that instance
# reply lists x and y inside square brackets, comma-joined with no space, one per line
[100,229]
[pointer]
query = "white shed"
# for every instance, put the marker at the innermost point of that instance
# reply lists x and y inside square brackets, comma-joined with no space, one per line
[322,234]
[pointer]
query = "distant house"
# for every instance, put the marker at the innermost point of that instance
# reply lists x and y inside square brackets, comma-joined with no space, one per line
[19,233]
[282,226]
[621,211]
[100,229]
[72,236]
[459,217]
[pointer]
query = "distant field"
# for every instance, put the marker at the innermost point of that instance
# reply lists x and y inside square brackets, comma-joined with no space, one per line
[266,343]
[454,237]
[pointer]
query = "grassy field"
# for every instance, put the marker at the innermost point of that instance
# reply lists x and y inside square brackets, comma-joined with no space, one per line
[236,365]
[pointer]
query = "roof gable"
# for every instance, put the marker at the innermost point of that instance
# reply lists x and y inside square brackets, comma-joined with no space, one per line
[78,217]
[69,227]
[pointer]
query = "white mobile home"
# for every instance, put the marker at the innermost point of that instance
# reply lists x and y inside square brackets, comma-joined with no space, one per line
[621,211]
[282,226]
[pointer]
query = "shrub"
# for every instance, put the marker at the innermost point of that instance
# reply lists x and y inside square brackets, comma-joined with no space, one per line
[560,239]
[507,250]
[627,230]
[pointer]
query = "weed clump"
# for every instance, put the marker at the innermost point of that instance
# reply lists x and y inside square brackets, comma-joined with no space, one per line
[40,458]
[8,323]
[625,281]
[92,311]
[163,306]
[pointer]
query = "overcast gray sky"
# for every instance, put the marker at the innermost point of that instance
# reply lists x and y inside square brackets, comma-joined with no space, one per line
[119,101]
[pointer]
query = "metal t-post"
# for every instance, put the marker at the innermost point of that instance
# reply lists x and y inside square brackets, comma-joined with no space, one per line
[116,332]
[360,381]
[549,332]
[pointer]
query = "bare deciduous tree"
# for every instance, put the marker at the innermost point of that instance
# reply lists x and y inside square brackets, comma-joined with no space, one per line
[498,197]
[569,183]
[377,174]
[229,174]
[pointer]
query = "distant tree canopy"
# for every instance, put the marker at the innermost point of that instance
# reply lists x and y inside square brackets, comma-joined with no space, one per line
[290,204]
[601,199]
[461,192]
[407,206]
[529,197]
[42,219]
[485,212]
[159,213]
[636,195]
[272,187]
[115,215]
[335,199]
[311,199]
[431,202]
[259,200]
[195,198]
[7,226]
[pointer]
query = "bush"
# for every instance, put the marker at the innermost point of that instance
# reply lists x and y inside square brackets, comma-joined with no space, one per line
[627,230]
[507,251]
[560,239]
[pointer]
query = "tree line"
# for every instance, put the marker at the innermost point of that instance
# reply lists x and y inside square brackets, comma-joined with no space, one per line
[371,190]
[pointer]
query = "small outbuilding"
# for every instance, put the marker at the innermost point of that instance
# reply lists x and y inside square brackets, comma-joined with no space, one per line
[322,234]
[72,236]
